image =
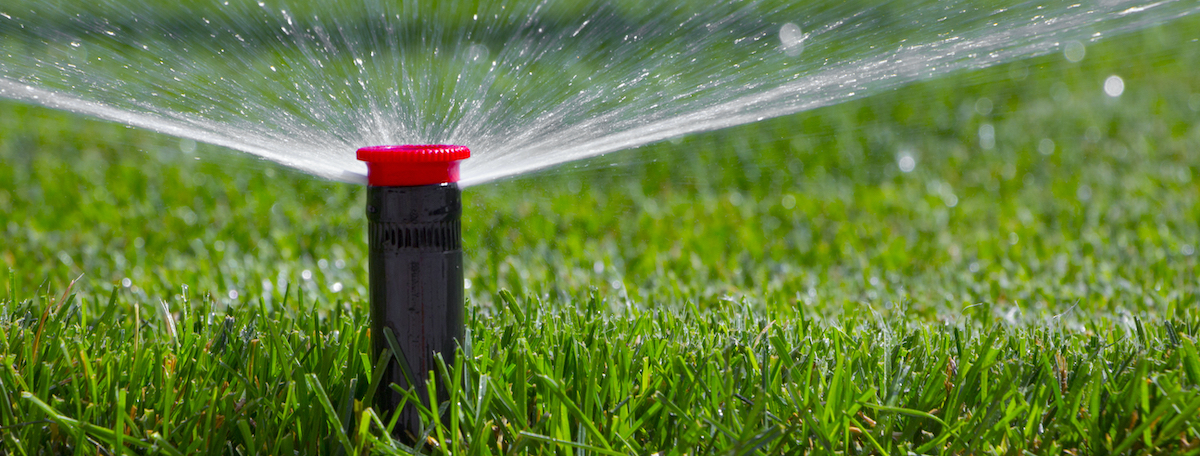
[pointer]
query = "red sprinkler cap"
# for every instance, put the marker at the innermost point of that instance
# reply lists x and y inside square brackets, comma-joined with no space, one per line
[410,166]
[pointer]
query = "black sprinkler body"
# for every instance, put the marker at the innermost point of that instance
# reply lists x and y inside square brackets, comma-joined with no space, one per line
[414,207]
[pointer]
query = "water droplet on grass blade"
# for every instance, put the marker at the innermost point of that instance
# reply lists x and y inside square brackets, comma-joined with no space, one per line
[477,53]
[791,39]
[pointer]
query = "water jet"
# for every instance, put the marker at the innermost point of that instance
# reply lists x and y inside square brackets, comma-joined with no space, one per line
[415,273]
[535,84]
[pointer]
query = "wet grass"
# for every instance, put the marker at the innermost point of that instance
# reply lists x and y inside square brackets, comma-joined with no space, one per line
[784,287]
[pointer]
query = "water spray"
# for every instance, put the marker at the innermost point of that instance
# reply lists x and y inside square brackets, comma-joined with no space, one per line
[414,207]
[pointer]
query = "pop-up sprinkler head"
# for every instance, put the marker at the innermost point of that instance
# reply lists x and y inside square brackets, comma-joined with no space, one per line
[416,277]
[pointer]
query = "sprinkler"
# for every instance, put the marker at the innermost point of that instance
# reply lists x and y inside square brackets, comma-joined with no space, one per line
[416,277]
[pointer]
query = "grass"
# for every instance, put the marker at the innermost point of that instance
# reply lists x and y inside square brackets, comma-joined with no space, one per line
[782,287]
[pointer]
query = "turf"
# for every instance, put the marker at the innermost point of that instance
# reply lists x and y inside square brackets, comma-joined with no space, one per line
[783,287]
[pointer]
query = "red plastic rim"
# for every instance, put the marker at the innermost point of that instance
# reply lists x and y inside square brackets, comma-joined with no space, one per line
[412,165]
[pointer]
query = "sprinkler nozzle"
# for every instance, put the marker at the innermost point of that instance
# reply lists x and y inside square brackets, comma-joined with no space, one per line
[414,208]
[408,166]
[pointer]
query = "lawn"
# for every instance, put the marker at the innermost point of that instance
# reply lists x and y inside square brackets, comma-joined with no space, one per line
[999,261]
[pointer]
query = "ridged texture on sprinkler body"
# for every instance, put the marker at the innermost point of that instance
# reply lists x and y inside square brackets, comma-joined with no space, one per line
[412,165]
[413,154]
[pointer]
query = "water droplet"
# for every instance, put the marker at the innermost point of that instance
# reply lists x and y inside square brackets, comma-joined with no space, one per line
[306,274]
[1074,51]
[789,201]
[950,199]
[983,106]
[1114,86]
[1046,146]
[233,294]
[907,162]
[466,284]
[1019,71]
[337,286]
[1187,250]
[598,266]
[987,136]
[126,282]
[1084,193]
[477,52]
[791,39]
[735,199]
[187,146]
